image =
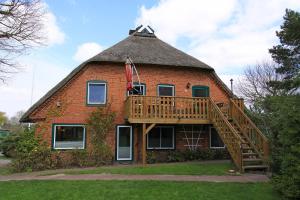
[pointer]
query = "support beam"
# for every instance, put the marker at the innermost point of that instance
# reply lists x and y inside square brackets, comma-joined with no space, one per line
[146,130]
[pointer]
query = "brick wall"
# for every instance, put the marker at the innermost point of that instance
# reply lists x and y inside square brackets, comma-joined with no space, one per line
[72,96]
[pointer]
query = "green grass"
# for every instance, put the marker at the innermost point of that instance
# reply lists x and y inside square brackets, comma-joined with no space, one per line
[192,168]
[5,171]
[81,190]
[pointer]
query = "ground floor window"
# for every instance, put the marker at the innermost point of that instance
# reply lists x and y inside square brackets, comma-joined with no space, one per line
[161,137]
[215,140]
[68,136]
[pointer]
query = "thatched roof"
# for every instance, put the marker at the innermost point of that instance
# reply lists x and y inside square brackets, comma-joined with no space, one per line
[143,48]
[148,49]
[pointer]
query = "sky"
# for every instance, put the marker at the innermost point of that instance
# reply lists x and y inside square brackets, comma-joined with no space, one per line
[228,35]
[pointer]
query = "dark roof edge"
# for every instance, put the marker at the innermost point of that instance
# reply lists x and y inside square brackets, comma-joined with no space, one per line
[223,85]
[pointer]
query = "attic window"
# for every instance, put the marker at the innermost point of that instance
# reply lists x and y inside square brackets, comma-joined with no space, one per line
[96,93]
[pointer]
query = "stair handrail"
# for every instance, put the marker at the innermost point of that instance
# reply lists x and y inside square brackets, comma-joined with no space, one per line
[246,124]
[236,150]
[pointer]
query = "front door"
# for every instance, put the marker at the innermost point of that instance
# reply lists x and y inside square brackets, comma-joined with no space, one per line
[124,142]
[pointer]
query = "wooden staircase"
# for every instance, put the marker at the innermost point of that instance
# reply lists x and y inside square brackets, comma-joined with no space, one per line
[246,144]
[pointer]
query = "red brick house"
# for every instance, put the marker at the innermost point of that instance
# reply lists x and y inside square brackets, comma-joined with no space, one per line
[180,103]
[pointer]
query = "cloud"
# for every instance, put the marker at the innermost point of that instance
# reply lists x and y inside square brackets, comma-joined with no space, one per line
[53,34]
[16,93]
[86,51]
[225,34]
[50,30]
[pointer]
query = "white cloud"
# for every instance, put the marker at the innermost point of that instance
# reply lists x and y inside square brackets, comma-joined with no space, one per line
[225,34]
[53,34]
[51,31]
[86,51]
[16,93]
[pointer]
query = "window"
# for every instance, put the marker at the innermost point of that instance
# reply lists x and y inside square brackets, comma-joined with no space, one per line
[138,89]
[161,137]
[200,91]
[215,140]
[165,90]
[69,137]
[96,93]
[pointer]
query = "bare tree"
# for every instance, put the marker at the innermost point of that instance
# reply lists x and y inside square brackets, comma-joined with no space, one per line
[255,83]
[20,29]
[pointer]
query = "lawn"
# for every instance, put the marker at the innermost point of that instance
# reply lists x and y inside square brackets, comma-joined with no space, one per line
[31,190]
[191,168]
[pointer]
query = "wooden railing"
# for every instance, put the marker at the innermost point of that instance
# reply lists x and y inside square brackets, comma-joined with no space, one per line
[166,108]
[229,135]
[256,138]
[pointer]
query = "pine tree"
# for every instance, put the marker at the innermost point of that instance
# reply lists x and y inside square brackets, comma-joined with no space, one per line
[287,53]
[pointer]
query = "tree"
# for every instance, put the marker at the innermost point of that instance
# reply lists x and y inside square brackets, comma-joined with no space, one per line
[3,119]
[255,85]
[20,29]
[287,53]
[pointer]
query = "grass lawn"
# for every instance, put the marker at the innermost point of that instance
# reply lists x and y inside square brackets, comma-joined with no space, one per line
[4,171]
[31,190]
[190,168]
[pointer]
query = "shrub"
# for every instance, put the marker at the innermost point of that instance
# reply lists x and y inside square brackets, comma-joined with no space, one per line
[8,145]
[151,157]
[175,156]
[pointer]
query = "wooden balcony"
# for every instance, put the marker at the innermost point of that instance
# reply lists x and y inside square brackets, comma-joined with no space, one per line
[167,110]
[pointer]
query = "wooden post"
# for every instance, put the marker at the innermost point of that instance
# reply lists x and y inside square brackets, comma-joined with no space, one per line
[146,130]
[144,145]
[136,142]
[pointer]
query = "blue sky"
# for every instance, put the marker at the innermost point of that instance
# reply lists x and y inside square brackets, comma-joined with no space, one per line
[228,35]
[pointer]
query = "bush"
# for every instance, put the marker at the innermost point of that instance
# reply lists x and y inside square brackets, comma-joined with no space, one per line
[8,145]
[151,157]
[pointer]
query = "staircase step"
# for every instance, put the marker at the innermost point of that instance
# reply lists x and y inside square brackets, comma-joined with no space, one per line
[255,167]
[252,159]
[250,154]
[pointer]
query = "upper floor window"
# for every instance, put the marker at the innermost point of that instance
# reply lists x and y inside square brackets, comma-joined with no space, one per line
[138,89]
[200,91]
[96,93]
[166,90]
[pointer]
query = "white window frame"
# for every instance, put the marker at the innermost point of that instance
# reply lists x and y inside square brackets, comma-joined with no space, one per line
[173,146]
[88,92]
[139,85]
[210,140]
[166,85]
[118,126]
[73,125]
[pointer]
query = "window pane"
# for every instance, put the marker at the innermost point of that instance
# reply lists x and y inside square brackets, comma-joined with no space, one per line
[96,93]
[138,90]
[154,138]
[166,137]
[165,91]
[215,140]
[200,92]
[124,136]
[69,137]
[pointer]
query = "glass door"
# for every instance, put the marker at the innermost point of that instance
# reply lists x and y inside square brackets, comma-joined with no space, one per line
[124,142]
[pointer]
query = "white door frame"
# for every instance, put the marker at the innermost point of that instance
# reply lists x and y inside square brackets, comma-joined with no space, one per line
[120,126]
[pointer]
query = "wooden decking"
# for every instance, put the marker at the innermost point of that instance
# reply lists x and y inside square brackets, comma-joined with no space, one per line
[167,110]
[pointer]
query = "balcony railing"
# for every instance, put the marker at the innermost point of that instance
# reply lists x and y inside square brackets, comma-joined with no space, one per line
[153,109]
